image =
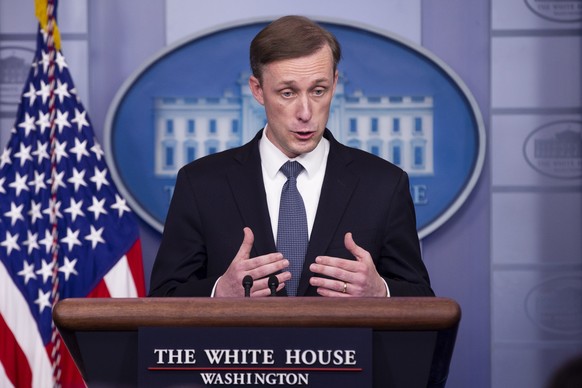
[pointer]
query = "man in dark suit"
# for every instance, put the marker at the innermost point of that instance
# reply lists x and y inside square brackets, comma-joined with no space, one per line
[224,216]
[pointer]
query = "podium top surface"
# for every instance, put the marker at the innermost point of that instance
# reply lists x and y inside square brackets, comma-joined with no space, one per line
[401,313]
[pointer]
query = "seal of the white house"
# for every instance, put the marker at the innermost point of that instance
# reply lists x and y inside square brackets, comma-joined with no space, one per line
[564,11]
[394,99]
[555,149]
[555,305]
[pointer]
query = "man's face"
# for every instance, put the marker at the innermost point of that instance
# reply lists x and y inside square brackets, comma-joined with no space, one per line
[297,94]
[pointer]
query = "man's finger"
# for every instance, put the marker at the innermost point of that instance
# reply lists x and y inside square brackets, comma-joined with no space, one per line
[244,252]
[356,250]
[351,246]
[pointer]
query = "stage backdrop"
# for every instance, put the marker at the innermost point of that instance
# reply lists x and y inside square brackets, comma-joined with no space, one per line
[492,137]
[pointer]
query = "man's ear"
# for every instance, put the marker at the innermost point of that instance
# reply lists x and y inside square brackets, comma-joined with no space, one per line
[335,78]
[256,89]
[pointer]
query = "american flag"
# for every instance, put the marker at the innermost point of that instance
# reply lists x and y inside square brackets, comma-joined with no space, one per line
[64,229]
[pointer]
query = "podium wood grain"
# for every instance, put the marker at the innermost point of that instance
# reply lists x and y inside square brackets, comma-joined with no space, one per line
[415,314]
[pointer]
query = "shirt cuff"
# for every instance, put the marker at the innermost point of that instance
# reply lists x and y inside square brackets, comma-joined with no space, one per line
[214,288]
[387,289]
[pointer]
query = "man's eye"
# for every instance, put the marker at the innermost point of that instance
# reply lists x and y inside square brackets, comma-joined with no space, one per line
[319,92]
[287,94]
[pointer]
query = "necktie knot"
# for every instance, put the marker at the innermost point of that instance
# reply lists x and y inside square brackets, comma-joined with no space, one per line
[291,169]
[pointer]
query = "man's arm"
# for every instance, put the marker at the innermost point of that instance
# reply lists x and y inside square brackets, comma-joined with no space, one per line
[400,262]
[397,271]
[180,267]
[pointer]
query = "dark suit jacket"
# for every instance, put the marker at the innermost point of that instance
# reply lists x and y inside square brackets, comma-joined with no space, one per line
[217,196]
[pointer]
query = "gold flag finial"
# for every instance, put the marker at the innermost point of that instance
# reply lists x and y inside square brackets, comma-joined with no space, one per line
[41,11]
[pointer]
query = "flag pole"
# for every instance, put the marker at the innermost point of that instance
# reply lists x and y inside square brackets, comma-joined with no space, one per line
[55,296]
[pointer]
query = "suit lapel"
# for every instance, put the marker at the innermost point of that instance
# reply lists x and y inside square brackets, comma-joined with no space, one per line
[338,186]
[248,191]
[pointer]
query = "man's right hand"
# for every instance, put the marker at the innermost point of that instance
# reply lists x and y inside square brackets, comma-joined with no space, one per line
[260,267]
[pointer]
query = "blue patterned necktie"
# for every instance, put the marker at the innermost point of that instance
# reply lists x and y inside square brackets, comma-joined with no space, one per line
[292,236]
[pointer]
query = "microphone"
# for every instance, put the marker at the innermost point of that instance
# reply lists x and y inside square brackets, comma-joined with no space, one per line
[247,283]
[273,284]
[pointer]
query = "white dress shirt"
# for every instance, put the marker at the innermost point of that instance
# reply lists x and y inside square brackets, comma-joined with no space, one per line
[309,181]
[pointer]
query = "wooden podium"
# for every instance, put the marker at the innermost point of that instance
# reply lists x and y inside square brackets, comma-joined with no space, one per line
[413,338]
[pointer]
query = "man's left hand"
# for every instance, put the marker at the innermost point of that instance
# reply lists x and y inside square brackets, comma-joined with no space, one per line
[348,277]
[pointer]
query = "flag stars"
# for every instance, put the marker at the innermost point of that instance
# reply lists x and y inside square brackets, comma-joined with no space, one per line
[27,272]
[80,149]
[99,178]
[80,119]
[46,270]
[15,213]
[60,61]
[27,124]
[23,154]
[75,209]
[38,182]
[44,91]
[53,210]
[47,241]
[35,68]
[43,121]
[34,212]
[5,157]
[61,90]
[120,205]
[95,236]
[97,207]
[2,189]
[44,35]
[31,241]
[62,120]
[97,150]
[19,183]
[60,151]
[68,268]
[71,239]
[31,94]
[58,181]
[44,61]
[43,300]
[10,242]
[41,151]
[78,179]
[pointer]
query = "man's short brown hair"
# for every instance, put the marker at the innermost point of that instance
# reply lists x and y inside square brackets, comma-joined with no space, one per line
[290,37]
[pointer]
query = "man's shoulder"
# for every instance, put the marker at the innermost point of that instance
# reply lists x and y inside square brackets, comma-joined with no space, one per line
[215,160]
[225,159]
[364,161]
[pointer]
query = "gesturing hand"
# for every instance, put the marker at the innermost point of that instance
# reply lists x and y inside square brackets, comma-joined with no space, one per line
[348,277]
[259,268]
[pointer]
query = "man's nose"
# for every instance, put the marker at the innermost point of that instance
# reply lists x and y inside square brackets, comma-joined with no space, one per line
[304,109]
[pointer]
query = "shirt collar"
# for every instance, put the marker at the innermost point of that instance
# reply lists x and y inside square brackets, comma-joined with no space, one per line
[272,158]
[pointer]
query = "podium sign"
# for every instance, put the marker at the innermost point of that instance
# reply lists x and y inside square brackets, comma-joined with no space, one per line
[412,338]
[255,357]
